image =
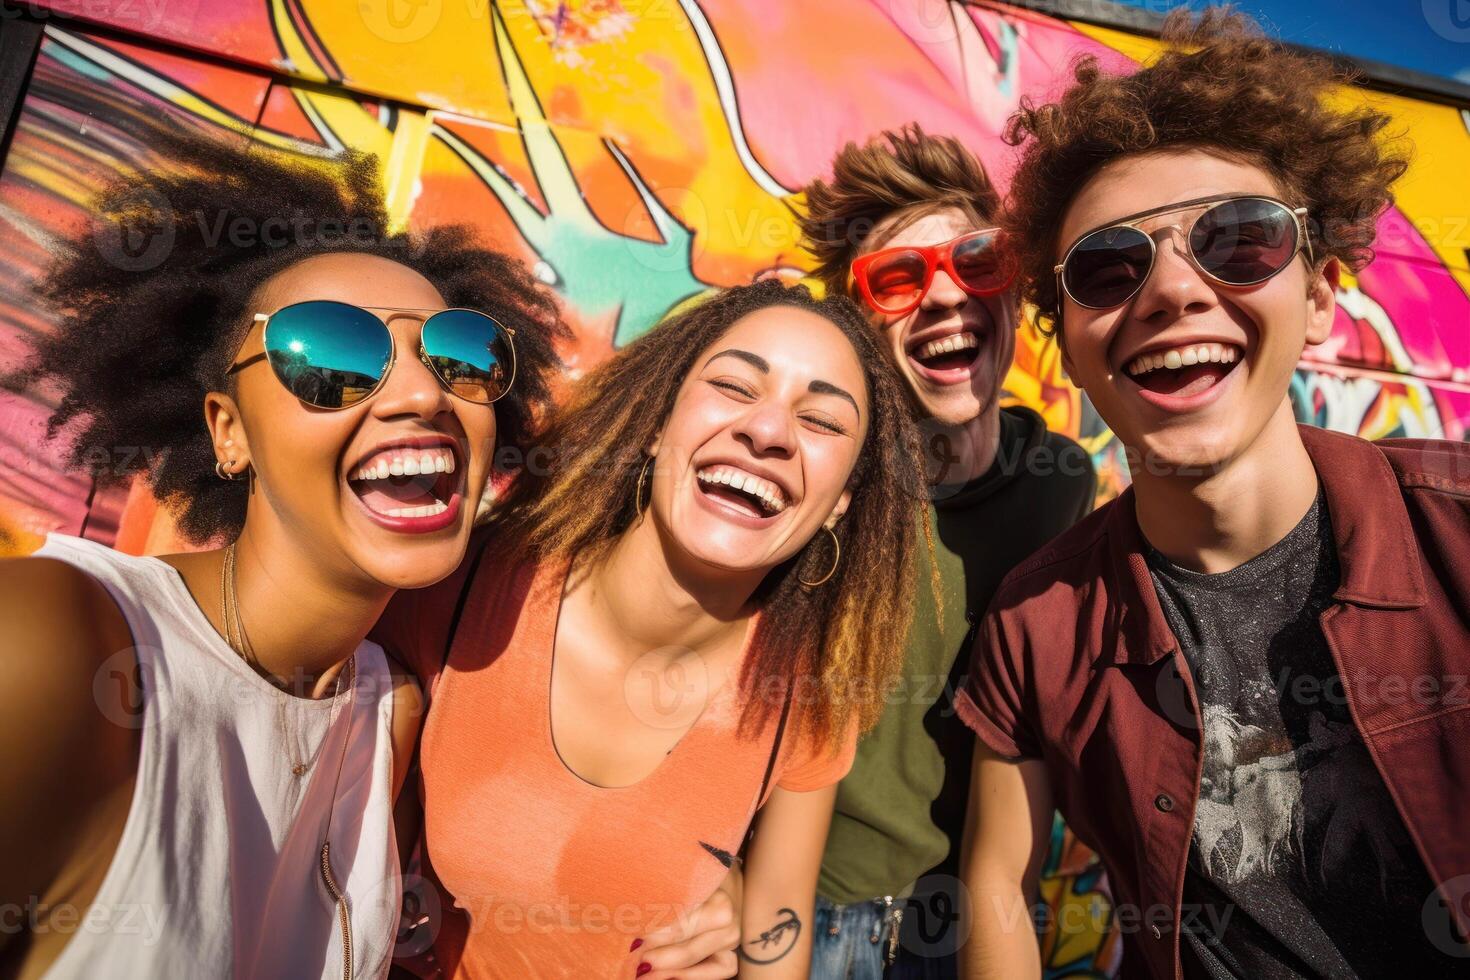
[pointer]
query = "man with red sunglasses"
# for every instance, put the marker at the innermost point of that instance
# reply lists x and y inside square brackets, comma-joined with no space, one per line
[1244,681]
[906,227]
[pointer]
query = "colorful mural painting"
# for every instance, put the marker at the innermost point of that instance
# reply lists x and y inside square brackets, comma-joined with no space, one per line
[638,153]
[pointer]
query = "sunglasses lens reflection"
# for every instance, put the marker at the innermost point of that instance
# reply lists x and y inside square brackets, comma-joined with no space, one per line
[978,264]
[897,279]
[471,353]
[1107,267]
[328,354]
[1245,241]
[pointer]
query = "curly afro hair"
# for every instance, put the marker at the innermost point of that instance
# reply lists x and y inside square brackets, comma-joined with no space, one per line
[153,303]
[1220,85]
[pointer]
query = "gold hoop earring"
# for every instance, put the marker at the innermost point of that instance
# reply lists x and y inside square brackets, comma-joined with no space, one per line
[836,559]
[638,501]
[222,473]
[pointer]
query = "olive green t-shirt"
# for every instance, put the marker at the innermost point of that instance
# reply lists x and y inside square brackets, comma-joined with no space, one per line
[901,809]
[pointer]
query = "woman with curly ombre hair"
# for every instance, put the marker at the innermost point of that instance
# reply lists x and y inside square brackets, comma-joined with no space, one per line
[690,613]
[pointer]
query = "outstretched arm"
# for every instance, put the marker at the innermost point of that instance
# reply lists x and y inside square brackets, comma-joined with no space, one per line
[70,713]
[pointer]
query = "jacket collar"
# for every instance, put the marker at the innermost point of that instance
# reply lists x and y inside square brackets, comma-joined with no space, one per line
[1376,547]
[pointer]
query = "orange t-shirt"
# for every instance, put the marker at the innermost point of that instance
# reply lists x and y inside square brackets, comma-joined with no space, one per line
[558,876]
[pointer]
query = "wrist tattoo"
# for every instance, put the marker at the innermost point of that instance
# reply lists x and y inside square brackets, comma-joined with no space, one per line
[775,942]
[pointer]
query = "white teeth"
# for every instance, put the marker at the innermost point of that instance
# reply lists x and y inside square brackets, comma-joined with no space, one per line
[1178,357]
[768,493]
[948,345]
[392,464]
[428,510]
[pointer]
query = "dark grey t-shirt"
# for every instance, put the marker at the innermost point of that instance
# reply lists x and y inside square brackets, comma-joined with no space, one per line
[1300,864]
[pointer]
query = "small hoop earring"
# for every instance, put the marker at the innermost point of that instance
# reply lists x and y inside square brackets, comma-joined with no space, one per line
[638,501]
[222,473]
[836,559]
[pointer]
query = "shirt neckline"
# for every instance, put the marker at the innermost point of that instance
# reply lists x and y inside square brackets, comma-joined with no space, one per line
[1021,428]
[1303,536]
[193,618]
[548,592]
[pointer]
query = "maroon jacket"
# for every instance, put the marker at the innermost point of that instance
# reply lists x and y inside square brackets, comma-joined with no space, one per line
[1075,665]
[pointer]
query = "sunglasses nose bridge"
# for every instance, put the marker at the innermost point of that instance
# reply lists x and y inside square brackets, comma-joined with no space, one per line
[1175,279]
[943,289]
[410,384]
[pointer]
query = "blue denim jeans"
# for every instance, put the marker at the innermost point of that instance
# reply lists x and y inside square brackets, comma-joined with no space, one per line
[851,942]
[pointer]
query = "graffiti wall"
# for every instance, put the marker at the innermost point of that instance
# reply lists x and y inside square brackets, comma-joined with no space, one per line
[637,153]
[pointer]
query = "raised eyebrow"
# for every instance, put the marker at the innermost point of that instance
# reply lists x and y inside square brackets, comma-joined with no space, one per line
[820,387]
[754,360]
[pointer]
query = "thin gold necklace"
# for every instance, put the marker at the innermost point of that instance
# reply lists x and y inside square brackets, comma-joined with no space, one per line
[240,643]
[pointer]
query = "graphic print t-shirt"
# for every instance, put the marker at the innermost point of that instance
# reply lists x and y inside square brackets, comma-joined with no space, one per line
[1300,864]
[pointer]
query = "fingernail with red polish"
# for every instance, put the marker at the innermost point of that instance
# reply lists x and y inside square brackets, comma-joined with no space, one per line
[636,944]
[643,968]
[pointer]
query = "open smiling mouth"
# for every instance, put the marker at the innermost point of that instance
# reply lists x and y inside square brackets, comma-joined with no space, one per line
[950,358]
[743,492]
[407,483]
[1185,371]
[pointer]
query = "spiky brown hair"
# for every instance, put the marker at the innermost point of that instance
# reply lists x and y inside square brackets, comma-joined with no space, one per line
[905,173]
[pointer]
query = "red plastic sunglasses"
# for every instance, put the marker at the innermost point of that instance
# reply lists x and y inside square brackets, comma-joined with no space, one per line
[893,281]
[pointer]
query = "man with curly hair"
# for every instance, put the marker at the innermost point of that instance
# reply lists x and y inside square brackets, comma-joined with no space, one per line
[1243,681]
[906,227]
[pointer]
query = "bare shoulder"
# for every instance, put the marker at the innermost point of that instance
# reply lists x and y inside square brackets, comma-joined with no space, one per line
[61,625]
[64,644]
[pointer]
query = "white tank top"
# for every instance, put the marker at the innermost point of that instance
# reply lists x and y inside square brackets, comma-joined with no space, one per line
[218,873]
